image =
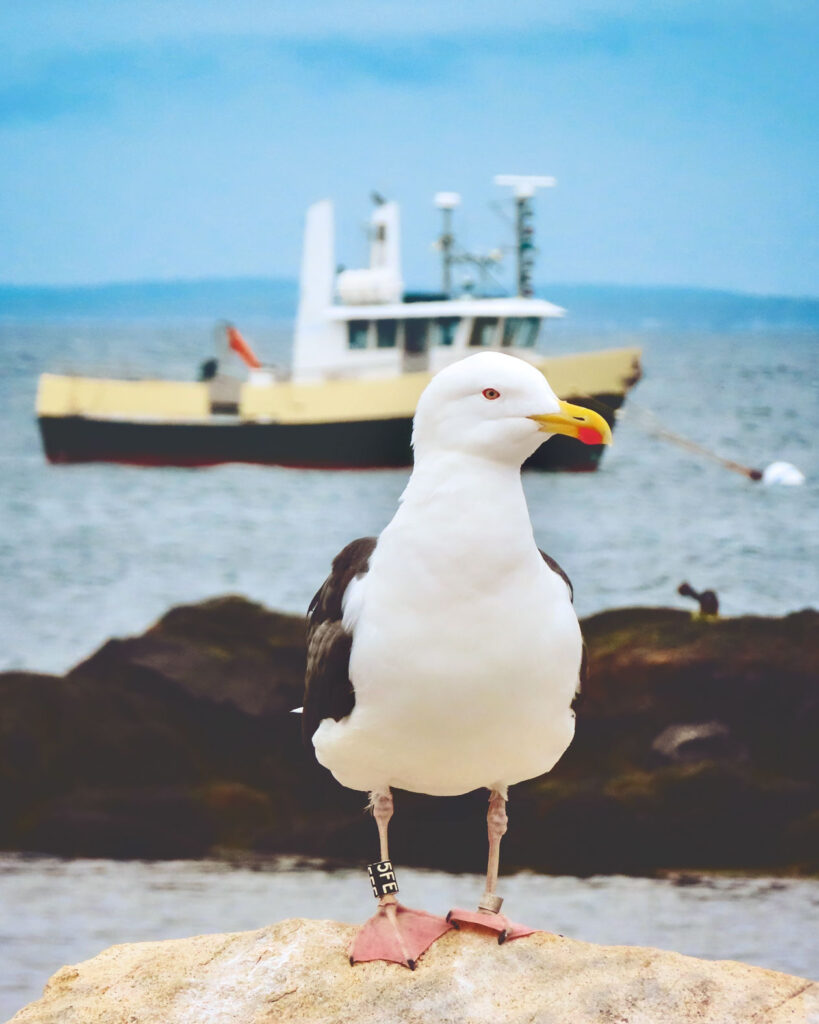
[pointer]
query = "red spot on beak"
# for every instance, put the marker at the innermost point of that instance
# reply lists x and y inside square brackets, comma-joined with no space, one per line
[589,435]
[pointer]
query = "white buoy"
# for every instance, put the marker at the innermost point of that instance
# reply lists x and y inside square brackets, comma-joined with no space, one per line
[784,473]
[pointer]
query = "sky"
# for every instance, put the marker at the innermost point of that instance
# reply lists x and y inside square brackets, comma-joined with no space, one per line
[168,139]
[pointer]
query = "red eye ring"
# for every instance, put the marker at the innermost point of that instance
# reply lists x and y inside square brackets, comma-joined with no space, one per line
[491,394]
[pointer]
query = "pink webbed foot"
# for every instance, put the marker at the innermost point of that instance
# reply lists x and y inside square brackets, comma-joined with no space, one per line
[497,923]
[397,934]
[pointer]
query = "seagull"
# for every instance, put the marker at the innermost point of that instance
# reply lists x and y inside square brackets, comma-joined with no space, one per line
[444,655]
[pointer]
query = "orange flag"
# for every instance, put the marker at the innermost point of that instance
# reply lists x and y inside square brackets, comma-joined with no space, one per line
[239,345]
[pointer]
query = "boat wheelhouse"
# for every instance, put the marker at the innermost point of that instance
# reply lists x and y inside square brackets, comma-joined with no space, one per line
[363,323]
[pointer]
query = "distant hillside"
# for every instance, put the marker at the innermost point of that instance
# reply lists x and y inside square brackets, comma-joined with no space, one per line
[634,307]
[598,307]
[213,299]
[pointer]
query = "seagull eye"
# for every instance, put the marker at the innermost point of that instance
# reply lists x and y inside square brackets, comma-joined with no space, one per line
[490,393]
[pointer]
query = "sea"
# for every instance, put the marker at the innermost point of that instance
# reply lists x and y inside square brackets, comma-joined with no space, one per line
[62,912]
[94,551]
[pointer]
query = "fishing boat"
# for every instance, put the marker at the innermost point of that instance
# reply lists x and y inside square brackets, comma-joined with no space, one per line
[363,350]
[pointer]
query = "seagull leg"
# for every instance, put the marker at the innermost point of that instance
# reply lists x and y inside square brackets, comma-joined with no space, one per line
[496,825]
[488,913]
[394,933]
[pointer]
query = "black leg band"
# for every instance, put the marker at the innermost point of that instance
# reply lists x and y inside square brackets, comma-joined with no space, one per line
[382,879]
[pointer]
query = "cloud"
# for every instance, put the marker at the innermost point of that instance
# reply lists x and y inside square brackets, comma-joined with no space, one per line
[90,24]
[39,25]
[86,57]
[93,82]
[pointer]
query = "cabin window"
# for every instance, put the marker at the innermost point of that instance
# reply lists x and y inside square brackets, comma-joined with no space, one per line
[415,335]
[445,328]
[385,333]
[484,330]
[521,331]
[357,333]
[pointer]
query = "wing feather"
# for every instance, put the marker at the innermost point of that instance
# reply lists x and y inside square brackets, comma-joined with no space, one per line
[584,662]
[328,690]
[553,565]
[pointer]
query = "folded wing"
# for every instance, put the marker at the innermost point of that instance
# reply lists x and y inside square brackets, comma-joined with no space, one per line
[328,691]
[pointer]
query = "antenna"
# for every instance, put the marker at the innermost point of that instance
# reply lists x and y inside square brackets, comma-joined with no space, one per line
[524,187]
[446,203]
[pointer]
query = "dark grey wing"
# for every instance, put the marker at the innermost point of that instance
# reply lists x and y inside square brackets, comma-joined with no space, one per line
[584,661]
[556,568]
[328,692]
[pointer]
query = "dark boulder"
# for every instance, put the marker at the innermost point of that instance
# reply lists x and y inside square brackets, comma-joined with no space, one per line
[697,746]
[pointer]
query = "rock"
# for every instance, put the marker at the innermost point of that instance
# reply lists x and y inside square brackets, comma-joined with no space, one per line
[297,971]
[180,743]
[199,648]
[698,741]
[133,752]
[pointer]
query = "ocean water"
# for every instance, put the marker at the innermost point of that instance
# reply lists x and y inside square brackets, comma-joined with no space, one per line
[58,912]
[87,552]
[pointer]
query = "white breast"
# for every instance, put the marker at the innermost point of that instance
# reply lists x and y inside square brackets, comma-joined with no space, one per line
[465,659]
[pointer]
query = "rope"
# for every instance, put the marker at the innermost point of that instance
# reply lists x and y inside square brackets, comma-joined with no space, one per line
[664,434]
[656,429]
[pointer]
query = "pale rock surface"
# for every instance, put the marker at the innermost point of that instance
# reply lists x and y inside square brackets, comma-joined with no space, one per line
[298,971]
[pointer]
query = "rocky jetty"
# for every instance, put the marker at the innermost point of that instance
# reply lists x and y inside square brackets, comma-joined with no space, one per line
[298,971]
[696,748]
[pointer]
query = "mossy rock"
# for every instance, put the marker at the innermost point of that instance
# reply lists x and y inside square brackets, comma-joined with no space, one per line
[181,741]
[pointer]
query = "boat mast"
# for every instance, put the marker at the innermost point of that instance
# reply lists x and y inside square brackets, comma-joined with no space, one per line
[524,187]
[446,203]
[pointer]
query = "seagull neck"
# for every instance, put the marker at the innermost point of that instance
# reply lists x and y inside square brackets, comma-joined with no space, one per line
[455,507]
[473,478]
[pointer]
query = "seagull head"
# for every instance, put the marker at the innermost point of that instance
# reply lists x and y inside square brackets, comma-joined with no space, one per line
[500,407]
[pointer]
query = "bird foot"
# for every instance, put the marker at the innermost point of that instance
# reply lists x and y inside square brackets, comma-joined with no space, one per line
[498,923]
[397,934]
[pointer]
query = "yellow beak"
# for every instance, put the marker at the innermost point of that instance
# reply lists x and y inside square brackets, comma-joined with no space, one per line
[576,421]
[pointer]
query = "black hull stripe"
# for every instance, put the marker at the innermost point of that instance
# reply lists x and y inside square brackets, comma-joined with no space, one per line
[366,444]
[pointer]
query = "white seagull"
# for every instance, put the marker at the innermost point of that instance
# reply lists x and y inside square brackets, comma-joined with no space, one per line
[444,655]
